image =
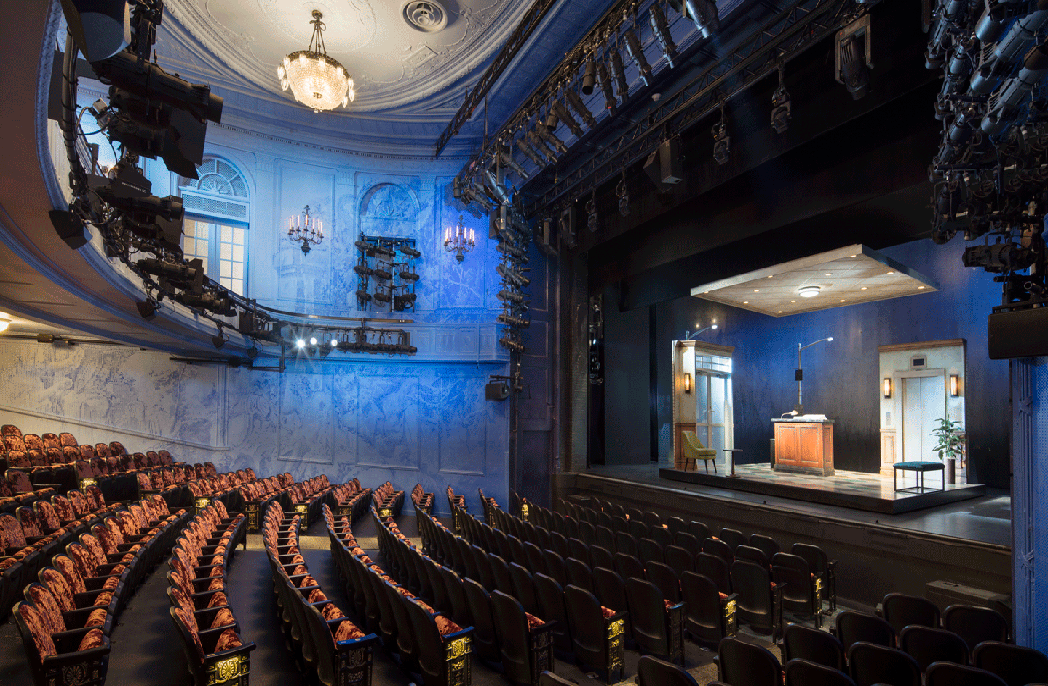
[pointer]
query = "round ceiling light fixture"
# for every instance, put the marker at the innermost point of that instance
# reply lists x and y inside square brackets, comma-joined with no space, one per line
[426,15]
[808,291]
[316,80]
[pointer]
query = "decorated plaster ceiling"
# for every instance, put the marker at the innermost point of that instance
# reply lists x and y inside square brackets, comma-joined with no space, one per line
[398,52]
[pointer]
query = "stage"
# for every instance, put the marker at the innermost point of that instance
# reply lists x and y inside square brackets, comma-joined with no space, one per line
[853,490]
[953,552]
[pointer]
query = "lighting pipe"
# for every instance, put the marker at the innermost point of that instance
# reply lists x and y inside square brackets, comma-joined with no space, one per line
[799,409]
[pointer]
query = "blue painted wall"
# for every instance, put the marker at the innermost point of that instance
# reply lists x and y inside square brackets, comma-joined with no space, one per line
[841,378]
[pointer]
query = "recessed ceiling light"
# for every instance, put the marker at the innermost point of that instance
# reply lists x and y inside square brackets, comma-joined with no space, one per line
[756,290]
[780,312]
[852,255]
[808,291]
[793,301]
[890,273]
[829,274]
[770,275]
[920,288]
[844,301]
[863,288]
[745,302]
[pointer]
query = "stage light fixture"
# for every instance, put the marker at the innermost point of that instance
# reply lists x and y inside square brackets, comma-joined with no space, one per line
[721,143]
[589,76]
[592,222]
[660,27]
[551,117]
[955,385]
[530,153]
[100,28]
[703,14]
[569,121]
[147,308]
[506,158]
[606,87]
[549,137]
[636,51]
[218,340]
[618,73]
[780,106]
[300,343]
[540,145]
[576,104]
[852,58]
[809,291]
[887,387]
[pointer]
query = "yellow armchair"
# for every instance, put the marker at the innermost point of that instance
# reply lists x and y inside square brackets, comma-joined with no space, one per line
[695,450]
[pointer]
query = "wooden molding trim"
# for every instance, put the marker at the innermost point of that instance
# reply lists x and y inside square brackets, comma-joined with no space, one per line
[923,345]
[724,350]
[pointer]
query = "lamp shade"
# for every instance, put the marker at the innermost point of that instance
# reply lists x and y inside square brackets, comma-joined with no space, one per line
[887,387]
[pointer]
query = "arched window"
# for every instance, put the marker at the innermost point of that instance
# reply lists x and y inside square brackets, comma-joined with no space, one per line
[216,222]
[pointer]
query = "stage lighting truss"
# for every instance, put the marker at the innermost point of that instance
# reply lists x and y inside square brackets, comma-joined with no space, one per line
[780,105]
[152,113]
[989,175]
[387,272]
[320,342]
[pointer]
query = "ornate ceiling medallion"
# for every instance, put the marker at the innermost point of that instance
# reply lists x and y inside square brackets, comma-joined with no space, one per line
[426,15]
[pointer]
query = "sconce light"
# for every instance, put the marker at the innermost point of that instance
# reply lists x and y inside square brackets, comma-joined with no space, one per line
[687,382]
[955,385]
[887,387]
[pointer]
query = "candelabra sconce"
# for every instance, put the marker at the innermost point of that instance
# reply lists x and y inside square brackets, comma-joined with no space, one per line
[459,240]
[305,229]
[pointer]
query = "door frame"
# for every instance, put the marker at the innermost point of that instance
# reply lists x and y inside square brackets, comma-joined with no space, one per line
[898,400]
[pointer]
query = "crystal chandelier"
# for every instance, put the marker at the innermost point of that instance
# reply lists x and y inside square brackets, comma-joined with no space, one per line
[305,229]
[316,80]
[459,240]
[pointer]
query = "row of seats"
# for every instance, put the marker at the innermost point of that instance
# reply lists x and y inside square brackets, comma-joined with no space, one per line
[426,642]
[651,623]
[66,619]
[324,638]
[387,501]
[211,639]
[307,496]
[421,499]
[31,536]
[506,632]
[350,500]
[456,502]
[716,605]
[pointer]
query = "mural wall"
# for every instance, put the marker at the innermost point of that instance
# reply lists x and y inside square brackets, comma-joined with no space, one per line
[408,419]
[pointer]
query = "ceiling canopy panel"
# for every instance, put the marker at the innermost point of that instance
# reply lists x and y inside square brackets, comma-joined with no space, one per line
[838,278]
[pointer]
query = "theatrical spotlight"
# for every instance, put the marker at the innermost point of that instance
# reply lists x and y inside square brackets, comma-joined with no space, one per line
[147,308]
[546,134]
[565,116]
[606,88]
[100,28]
[591,213]
[576,104]
[511,275]
[511,320]
[530,152]
[636,51]
[618,73]
[661,29]
[511,343]
[721,140]
[703,14]
[510,296]
[189,277]
[218,340]
[589,76]
[145,79]
[780,107]
[537,143]
[852,57]
[213,301]
[403,302]
[152,218]
[507,160]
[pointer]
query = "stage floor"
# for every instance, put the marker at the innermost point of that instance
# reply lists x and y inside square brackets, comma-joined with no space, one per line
[985,519]
[855,490]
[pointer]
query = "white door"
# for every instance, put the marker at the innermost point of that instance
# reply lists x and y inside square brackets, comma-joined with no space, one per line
[923,403]
[713,402]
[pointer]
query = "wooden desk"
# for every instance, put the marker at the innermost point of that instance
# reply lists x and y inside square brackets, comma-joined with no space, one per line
[804,446]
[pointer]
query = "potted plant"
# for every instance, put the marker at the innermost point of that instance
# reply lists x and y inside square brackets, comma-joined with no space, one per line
[950,445]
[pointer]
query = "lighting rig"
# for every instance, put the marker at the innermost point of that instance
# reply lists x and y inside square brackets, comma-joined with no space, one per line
[151,113]
[991,180]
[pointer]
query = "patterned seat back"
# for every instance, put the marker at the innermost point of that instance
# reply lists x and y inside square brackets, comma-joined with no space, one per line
[117,448]
[59,587]
[80,505]
[67,439]
[165,458]
[54,456]
[83,469]
[50,441]
[14,443]
[152,459]
[46,516]
[35,623]
[113,465]
[99,466]
[36,458]
[139,460]
[95,498]
[87,452]
[127,462]
[70,454]
[63,508]
[67,568]
[102,449]
[10,430]
[45,601]
[33,442]
[18,459]
[18,481]
[30,522]
[11,530]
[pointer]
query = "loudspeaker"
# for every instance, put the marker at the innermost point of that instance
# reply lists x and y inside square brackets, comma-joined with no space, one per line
[70,229]
[496,390]
[1021,333]
[669,162]
[545,238]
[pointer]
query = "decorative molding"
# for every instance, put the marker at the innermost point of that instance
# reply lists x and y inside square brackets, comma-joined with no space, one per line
[310,460]
[711,348]
[107,427]
[922,345]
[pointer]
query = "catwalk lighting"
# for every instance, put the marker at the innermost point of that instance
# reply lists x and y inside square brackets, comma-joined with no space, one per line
[853,61]
[589,76]
[606,88]
[661,29]
[576,104]
[618,73]
[591,213]
[565,116]
[636,51]
[780,106]
[703,13]
[721,141]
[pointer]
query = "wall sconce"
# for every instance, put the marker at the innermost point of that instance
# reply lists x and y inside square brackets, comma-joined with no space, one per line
[687,382]
[955,385]
[887,387]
